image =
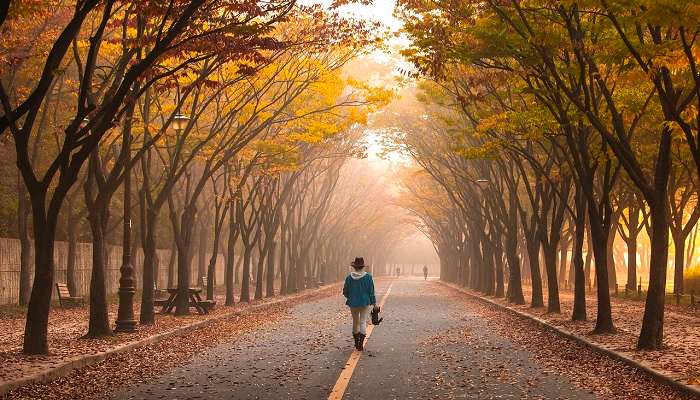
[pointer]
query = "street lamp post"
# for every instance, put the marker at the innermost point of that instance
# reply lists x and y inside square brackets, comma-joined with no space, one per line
[125,314]
[180,122]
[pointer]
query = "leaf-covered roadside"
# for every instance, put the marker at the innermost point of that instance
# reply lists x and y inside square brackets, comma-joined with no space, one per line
[146,361]
[585,368]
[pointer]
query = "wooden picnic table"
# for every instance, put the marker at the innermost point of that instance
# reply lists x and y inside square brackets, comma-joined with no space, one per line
[195,301]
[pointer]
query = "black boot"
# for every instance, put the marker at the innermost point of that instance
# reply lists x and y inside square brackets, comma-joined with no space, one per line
[356,336]
[360,341]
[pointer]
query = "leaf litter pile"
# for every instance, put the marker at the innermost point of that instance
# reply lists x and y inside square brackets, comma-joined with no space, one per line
[137,366]
[585,368]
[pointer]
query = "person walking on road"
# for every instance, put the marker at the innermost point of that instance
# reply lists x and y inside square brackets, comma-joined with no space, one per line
[425,272]
[359,292]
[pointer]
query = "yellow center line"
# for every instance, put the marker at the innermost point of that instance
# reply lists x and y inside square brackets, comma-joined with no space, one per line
[342,383]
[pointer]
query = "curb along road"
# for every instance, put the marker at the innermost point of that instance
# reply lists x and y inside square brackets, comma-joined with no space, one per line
[693,390]
[83,361]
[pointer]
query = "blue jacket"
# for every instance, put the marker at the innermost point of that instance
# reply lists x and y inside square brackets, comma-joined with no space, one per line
[359,289]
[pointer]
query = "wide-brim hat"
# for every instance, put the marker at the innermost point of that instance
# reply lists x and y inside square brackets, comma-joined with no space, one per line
[358,263]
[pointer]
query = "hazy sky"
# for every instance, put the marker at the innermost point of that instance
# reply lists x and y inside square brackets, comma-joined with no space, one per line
[381,10]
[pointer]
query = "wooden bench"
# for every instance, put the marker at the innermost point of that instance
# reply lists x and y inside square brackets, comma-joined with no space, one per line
[194,300]
[160,296]
[160,302]
[206,304]
[158,292]
[64,297]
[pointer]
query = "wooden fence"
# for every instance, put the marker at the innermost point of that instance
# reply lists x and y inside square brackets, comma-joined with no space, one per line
[10,256]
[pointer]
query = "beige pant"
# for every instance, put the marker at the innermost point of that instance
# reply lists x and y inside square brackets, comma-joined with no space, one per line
[359,319]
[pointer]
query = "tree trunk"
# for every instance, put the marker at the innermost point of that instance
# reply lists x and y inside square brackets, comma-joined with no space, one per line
[72,250]
[150,264]
[36,328]
[211,268]
[184,261]
[589,260]
[498,263]
[579,311]
[283,259]
[651,335]
[202,253]
[229,273]
[245,277]
[563,258]
[550,250]
[270,289]
[260,275]
[550,263]
[464,265]
[237,270]
[515,289]
[632,264]
[604,323]
[172,273]
[533,255]
[292,275]
[524,258]
[98,324]
[610,252]
[302,266]
[652,332]
[678,260]
[475,266]
[25,244]
[489,277]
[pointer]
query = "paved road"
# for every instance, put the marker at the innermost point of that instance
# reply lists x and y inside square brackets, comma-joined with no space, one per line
[429,346]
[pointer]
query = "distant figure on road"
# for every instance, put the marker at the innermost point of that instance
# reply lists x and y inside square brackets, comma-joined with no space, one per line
[359,291]
[425,272]
[398,272]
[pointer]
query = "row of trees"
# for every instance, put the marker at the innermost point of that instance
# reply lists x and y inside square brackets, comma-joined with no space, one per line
[552,127]
[220,126]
